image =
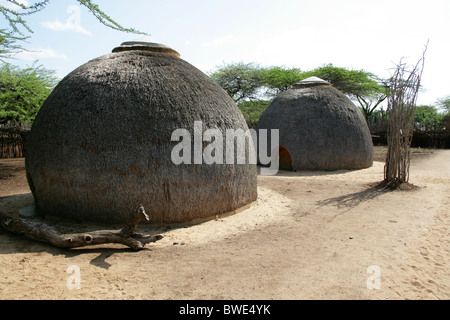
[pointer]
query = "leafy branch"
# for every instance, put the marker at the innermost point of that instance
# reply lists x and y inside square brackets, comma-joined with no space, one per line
[105,19]
[15,13]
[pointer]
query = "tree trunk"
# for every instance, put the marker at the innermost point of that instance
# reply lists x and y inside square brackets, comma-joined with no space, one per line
[41,232]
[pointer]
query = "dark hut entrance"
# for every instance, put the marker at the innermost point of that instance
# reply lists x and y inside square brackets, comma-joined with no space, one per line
[285,161]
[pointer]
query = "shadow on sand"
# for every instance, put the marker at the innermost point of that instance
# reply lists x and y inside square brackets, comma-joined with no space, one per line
[19,244]
[352,200]
[374,190]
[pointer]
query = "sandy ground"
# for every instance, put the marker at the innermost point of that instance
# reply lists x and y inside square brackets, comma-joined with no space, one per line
[311,235]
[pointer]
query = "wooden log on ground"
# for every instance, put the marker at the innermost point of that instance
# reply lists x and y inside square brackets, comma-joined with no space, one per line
[42,232]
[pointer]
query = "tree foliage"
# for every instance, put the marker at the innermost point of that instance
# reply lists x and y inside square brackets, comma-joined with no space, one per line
[8,44]
[249,81]
[22,91]
[15,14]
[252,111]
[242,81]
[444,104]
[104,19]
[279,79]
[428,118]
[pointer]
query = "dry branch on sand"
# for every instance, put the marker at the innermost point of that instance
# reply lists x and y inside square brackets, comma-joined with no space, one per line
[42,232]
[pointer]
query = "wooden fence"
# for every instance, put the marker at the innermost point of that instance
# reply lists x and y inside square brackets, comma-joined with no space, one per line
[12,142]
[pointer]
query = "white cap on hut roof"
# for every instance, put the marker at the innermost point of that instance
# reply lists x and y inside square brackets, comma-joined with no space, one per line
[145,44]
[311,81]
[143,40]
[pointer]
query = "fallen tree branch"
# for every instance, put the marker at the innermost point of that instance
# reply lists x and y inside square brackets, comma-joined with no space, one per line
[42,232]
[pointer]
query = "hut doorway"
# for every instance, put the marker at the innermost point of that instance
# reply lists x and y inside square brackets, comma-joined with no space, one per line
[285,161]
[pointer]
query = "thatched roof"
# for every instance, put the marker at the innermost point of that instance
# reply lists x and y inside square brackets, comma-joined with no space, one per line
[320,127]
[101,143]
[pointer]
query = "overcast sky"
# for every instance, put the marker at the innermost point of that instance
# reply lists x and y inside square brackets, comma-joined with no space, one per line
[356,34]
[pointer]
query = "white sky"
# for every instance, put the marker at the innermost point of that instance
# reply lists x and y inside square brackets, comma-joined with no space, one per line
[358,34]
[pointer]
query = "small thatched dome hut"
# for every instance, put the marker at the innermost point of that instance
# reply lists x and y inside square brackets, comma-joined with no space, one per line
[319,128]
[101,144]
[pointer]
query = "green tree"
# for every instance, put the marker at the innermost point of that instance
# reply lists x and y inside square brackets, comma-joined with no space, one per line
[428,118]
[252,111]
[22,91]
[359,85]
[249,81]
[8,44]
[279,79]
[15,15]
[444,104]
[242,81]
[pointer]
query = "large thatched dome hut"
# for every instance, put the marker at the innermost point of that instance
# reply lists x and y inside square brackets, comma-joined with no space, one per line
[102,142]
[319,128]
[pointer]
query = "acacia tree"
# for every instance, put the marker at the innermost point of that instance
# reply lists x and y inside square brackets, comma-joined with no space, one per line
[444,104]
[242,81]
[8,44]
[16,12]
[249,81]
[279,79]
[428,118]
[22,92]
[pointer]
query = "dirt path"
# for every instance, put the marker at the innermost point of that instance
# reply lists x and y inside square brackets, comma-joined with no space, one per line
[311,235]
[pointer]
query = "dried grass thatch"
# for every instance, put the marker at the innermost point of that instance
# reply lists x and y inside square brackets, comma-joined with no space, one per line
[319,127]
[101,142]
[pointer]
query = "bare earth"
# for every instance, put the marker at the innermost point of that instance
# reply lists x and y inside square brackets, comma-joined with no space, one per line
[311,235]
